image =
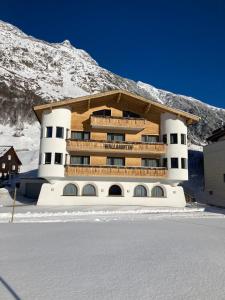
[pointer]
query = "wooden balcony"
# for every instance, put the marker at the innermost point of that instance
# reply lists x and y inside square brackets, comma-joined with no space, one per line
[90,146]
[119,123]
[84,170]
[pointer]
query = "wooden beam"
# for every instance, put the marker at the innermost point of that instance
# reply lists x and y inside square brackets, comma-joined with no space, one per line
[118,98]
[147,108]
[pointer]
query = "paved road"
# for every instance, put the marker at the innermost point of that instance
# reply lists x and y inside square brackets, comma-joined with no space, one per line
[148,259]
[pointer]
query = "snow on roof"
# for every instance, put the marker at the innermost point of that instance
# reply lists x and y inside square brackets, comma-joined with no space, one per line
[4,149]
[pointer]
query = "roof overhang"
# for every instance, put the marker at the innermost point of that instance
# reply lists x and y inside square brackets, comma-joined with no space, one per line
[120,94]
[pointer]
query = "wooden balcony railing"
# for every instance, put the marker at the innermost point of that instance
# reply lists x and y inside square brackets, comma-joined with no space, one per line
[115,147]
[128,124]
[84,170]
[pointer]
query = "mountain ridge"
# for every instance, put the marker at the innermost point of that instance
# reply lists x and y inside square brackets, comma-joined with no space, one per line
[33,71]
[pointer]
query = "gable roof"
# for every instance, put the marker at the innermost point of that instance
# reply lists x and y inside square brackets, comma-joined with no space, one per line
[5,149]
[120,93]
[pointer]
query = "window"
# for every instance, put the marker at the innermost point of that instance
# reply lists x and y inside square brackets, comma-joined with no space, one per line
[150,162]
[79,160]
[48,158]
[67,133]
[58,158]
[157,192]
[130,114]
[174,162]
[165,162]
[150,138]
[140,191]
[80,135]
[116,137]
[183,139]
[165,138]
[13,167]
[59,132]
[89,190]
[115,161]
[115,190]
[70,190]
[3,165]
[49,131]
[173,138]
[102,112]
[9,157]
[183,163]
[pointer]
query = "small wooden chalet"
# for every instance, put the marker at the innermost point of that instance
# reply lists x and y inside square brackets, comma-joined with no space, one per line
[9,162]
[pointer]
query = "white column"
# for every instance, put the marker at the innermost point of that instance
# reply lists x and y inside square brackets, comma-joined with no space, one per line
[60,117]
[172,124]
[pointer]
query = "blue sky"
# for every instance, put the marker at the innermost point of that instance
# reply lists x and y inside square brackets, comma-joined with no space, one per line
[176,45]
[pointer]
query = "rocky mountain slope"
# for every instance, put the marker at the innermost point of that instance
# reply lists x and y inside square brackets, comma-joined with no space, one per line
[34,71]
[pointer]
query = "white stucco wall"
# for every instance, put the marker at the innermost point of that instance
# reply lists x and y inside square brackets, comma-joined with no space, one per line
[214,169]
[52,194]
[57,117]
[170,124]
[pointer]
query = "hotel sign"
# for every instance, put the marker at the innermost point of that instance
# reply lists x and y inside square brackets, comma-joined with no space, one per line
[118,146]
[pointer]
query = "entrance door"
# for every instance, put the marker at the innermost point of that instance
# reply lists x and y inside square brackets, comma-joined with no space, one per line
[115,190]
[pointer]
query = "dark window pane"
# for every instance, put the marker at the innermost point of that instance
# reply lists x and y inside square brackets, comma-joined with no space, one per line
[48,158]
[89,190]
[157,191]
[150,138]
[165,138]
[116,137]
[49,131]
[70,190]
[130,114]
[115,161]
[80,135]
[183,163]
[165,165]
[174,162]
[102,112]
[183,139]
[150,162]
[140,191]
[79,160]
[59,132]
[173,138]
[58,158]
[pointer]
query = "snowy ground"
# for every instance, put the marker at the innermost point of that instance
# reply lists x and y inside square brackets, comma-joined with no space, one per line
[172,258]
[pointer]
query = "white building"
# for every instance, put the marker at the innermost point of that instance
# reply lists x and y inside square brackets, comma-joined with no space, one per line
[214,168]
[112,148]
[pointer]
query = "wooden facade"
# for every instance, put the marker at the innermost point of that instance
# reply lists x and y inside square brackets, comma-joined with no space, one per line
[98,148]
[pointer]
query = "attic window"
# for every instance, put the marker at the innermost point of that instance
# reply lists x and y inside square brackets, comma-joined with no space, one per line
[9,157]
[130,114]
[102,112]
[3,165]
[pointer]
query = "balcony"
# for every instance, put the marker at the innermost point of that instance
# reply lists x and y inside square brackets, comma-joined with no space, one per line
[119,123]
[90,146]
[84,170]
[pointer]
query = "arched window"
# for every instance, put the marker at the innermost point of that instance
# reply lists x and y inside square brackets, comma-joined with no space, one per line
[70,190]
[115,190]
[89,190]
[157,192]
[140,191]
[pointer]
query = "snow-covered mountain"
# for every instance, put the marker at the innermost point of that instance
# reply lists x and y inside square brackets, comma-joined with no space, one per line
[33,71]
